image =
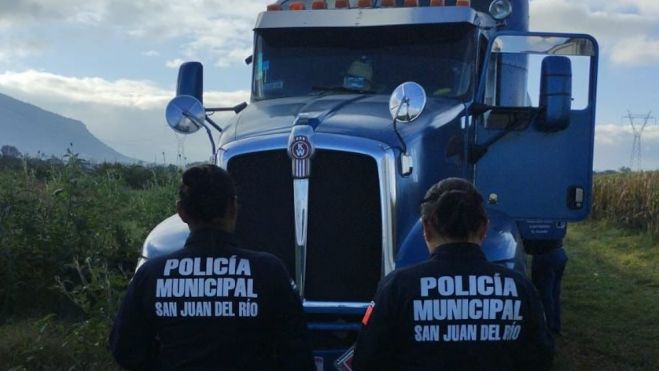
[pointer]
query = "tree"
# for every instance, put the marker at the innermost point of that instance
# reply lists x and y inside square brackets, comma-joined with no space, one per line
[10,151]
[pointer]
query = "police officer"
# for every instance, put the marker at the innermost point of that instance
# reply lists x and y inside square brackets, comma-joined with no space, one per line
[548,264]
[455,311]
[211,305]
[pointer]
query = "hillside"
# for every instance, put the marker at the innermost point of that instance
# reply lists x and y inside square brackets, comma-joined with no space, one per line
[33,130]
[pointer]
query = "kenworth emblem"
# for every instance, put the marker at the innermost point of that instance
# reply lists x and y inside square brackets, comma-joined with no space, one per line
[300,151]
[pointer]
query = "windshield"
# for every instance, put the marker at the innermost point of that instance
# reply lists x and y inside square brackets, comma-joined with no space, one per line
[293,62]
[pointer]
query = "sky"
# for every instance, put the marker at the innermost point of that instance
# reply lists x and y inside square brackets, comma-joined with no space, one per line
[112,64]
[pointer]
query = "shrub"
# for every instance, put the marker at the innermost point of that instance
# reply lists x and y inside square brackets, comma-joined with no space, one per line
[76,224]
[70,235]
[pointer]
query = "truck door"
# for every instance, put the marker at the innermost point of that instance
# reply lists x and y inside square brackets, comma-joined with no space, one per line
[531,144]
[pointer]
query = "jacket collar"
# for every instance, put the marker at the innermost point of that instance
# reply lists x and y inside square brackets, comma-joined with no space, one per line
[210,237]
[460,250]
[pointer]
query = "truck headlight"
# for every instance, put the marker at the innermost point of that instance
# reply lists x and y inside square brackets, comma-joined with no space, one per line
[500,9]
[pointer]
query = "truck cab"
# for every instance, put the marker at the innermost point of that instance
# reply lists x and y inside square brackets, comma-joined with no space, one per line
[358,107]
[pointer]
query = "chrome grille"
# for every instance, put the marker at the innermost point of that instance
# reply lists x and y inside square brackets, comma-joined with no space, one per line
[344,251]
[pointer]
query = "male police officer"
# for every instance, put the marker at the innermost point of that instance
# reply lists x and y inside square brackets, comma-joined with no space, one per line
[211,305]
[455,311]
[543,240]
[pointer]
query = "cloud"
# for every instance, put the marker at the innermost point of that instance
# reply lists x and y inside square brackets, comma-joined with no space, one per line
[119,93]
[123,93]
[607,134]
[174,63]
[235,55]
[636,51]
[651,135]
[627,30]
[613,146]
[650,7]
[20,10]
[126,114]
[12,48]
[611,134]
[26,26]
[38,11]
[215,30]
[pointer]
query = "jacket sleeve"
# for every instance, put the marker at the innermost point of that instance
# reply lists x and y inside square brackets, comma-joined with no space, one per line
[538,345]
[292,345]
[132,340]
[376,349]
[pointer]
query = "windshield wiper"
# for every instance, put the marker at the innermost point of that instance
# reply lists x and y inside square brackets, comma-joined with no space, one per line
[324,90]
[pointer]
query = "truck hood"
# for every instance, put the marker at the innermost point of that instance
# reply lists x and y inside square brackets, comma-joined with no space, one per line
[345,114]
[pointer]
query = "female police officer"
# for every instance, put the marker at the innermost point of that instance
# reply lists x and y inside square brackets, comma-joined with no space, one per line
[455,311]
[211,305]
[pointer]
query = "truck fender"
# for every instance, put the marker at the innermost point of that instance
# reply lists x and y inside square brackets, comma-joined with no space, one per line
[165,238]
[502,244]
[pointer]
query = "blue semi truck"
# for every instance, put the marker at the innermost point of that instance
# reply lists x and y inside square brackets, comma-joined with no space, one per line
[358,106]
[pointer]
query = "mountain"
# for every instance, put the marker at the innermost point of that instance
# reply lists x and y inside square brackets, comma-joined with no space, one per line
[31,129]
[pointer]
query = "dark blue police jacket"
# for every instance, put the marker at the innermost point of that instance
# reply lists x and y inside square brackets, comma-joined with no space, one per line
[211,306]
[455,311]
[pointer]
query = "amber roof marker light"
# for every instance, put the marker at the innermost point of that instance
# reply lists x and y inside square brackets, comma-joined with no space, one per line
[273,7]
[298,5]
[319,4]
[365,4]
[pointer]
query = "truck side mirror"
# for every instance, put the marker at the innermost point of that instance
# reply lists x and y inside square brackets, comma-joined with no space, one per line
[191,80]
[185,114]
[407,102]
[405,105]
[555,93]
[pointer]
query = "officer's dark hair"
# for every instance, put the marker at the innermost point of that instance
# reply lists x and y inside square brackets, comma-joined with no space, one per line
[205,192]
[454,208]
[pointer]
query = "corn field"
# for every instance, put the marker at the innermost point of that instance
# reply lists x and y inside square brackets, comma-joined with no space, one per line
[630,200]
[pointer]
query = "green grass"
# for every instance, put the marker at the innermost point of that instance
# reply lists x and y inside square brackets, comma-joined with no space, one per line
[48,344]
[610,300]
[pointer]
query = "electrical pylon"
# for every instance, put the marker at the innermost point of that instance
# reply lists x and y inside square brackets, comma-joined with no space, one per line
[635,162]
